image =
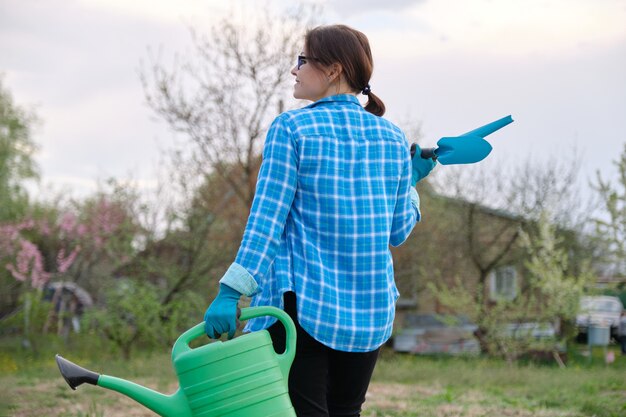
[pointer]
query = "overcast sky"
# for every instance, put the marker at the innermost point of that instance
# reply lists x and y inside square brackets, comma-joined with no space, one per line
[557,66]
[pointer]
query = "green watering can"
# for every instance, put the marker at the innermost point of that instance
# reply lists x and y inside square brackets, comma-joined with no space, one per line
[243,377]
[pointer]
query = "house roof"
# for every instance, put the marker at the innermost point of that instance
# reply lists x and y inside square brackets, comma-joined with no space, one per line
[497,212]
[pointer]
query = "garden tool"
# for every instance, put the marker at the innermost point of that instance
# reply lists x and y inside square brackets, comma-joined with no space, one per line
[242,377]
[468,148]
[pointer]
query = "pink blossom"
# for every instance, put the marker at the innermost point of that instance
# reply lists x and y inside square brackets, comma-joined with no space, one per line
[44,228]
[109,217]
[10,231]
[81,230]
[26,224]
[63,264]
[16,274]
[6,240]
[97,224]
[68,223]
[29,262]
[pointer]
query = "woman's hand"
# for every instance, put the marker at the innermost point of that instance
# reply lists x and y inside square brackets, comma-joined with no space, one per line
[421,166]
[221,316]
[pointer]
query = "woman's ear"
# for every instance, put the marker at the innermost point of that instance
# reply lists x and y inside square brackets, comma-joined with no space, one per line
[334,71]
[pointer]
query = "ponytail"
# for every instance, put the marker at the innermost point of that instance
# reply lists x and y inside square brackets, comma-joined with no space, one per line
[374,104]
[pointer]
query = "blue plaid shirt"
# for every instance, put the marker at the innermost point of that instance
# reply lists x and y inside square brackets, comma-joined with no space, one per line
[333,192]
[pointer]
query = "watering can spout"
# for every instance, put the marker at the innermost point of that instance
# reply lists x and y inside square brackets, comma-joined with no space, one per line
[75,375]
[165,405]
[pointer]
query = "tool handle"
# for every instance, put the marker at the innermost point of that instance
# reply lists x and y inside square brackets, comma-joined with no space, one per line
[489,128]
[285,359]
[426,152]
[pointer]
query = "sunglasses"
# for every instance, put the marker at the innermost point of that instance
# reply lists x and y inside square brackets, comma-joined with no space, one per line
[302,60]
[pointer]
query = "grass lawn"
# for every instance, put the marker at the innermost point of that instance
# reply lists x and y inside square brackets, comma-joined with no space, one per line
[403,385]
[420,386]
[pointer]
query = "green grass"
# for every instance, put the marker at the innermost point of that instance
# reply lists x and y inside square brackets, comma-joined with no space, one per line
[439,386]
[402,386]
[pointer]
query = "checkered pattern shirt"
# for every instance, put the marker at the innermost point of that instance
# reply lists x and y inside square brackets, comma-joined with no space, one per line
[333,193]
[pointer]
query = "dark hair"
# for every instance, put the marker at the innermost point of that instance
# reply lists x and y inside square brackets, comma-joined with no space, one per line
[350,48]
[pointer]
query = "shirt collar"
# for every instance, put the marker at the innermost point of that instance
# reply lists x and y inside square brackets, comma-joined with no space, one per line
[339,98]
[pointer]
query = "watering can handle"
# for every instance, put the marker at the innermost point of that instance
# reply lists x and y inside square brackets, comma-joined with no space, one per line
[285,359]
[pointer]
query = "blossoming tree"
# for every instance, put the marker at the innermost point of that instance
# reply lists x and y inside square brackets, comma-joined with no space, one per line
[61,245]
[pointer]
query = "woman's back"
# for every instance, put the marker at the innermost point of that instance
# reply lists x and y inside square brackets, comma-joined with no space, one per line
[349,174]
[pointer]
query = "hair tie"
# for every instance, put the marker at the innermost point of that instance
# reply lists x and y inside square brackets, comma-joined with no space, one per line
[367,90]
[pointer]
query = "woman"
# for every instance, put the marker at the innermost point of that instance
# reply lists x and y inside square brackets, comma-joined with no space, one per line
[335,189]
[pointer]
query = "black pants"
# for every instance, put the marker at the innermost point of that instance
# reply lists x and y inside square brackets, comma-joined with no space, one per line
[323,382]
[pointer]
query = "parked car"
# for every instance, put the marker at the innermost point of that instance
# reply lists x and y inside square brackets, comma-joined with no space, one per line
[432,333]
[602,310]
[531,329]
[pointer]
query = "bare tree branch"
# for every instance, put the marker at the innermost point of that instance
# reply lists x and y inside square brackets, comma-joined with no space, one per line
[223,97]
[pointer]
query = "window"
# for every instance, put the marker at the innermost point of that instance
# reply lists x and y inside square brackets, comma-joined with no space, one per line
[503,283]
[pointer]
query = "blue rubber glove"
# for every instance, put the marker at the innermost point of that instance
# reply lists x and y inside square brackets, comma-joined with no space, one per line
[421,166]
[221,316]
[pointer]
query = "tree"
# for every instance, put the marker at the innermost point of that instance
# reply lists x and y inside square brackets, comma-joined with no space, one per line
[477,227]
[550,295]
[81,242]
[16,166]
[133,315]
[611,227]
[196,241]
[21,255]
[16,155]
[223,101]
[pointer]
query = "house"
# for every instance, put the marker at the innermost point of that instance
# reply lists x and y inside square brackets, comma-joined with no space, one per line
[459,240]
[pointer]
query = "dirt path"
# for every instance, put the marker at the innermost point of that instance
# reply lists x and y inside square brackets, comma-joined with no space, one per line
[54,398]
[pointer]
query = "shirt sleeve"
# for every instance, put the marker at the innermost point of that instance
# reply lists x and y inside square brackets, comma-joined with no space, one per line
[407,211]
[275,190]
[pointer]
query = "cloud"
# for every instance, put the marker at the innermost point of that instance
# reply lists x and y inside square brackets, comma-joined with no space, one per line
[556,65]
[516,27]
[503,27]
[163,11]
[356,7]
